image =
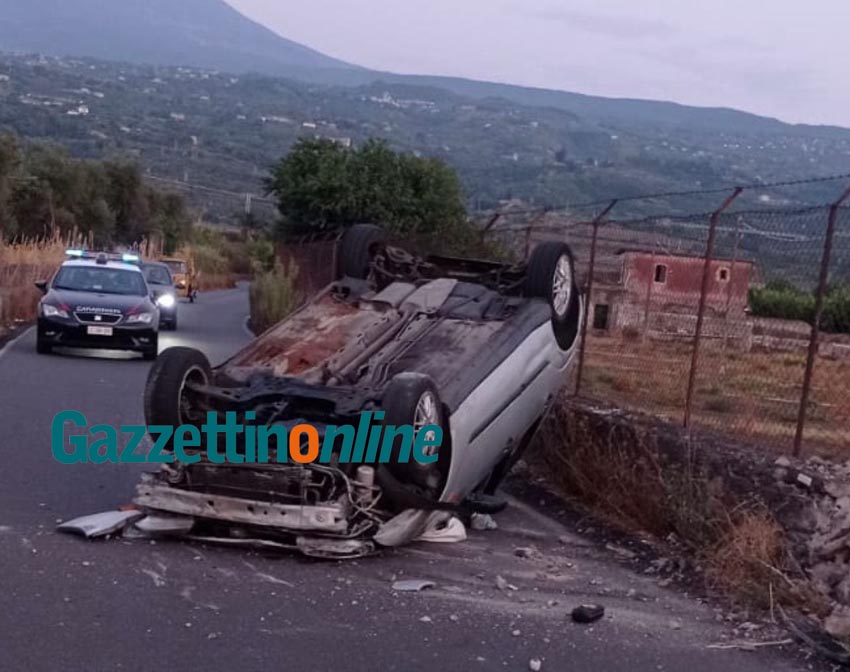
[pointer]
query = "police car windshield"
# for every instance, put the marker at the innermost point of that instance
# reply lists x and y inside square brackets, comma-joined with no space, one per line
[101,280]
[157,275]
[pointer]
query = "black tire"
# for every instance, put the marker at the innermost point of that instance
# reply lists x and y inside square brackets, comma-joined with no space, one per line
[150,352]
[400,402]
[540,282]
[166,380]
[356,249]
[42,347]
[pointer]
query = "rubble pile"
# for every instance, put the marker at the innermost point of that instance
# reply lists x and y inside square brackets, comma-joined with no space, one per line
[820,533]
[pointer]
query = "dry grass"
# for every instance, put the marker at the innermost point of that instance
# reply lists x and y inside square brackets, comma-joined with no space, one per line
[21,265]
[751,562]
[618,469]
[273,295]
[755,395]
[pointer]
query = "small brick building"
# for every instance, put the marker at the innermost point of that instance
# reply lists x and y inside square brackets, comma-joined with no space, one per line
[660,293]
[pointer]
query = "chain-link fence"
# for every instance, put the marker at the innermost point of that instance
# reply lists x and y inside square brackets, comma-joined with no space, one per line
[708,319]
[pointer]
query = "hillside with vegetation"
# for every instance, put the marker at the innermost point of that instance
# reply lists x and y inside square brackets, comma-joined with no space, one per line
[226,131]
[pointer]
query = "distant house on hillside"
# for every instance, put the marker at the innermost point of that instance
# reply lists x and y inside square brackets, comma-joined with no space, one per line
[660,293]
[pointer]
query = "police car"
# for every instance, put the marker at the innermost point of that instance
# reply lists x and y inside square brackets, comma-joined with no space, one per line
[98,300]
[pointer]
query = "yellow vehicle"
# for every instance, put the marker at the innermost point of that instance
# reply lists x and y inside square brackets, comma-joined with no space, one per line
[185,278]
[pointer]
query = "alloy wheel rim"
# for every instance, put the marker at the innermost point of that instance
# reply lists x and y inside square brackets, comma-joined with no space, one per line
[427,413]
[562,286]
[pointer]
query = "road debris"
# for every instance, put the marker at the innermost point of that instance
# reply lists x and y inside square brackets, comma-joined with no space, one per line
[747,645]
[535,665]
[442,530]
[588,613]
[624,553]
[483,522]
[502,584]
[413,585]
[166,525]
[100,524]
[526,552]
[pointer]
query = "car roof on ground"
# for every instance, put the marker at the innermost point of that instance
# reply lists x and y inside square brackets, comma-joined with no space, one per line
[92,263]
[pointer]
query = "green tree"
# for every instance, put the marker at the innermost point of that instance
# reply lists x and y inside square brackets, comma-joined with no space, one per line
[321,185]
[9,160]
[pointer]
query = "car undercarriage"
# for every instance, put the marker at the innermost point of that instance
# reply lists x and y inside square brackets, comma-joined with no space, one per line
[410,340]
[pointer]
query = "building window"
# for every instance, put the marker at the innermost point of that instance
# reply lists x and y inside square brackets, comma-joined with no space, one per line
[600,316]
[660,273]
[723,274]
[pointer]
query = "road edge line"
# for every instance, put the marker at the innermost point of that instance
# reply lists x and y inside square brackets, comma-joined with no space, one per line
[4,350]
[246,328]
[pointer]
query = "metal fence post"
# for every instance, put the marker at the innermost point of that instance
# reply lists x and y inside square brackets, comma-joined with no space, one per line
[706,277]
[815,335]
[588,293]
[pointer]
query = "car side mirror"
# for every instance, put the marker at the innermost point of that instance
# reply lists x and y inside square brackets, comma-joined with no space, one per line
[42,286]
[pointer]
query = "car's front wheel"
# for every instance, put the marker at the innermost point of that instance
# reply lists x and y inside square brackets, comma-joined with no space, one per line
[551,275]
[412,399]
[42,347]
[167,400]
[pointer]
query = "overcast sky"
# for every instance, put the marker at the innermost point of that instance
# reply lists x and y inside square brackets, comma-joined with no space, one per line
[781,58]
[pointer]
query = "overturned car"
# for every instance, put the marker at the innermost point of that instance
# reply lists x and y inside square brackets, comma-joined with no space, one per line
[479,349]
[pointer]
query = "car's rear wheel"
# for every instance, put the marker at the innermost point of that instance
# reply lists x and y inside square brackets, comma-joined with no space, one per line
[413,399]
[356,250]
[167,401]
[551,275]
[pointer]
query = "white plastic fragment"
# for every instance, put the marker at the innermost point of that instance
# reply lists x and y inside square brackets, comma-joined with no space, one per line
[444,530]
[100,524]
[160,524]
[412,585]
[483,521]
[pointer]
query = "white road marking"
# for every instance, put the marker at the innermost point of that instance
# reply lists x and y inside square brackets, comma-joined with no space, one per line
[17,338]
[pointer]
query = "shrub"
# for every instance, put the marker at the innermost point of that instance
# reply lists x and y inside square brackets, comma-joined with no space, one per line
[273,296]
[781,300]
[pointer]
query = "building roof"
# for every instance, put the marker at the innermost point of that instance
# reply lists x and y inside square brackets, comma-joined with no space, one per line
[680,255]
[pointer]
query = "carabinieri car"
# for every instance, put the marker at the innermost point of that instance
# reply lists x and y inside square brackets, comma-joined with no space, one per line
[479,348]
[98,300]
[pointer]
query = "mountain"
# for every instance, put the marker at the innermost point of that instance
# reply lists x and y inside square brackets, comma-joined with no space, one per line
[212,34]
[199,33]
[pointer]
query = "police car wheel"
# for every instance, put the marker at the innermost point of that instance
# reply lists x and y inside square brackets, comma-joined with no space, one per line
[42,347]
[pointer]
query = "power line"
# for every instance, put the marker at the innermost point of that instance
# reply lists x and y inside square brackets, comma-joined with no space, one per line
[672,194]
[191,186]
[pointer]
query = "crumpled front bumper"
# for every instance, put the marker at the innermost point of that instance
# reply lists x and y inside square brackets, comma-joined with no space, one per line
[328,518]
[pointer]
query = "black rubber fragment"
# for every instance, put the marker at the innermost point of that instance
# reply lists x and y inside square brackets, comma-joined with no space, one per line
[588,613]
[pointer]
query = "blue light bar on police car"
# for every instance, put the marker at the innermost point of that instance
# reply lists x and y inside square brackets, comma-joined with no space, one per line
[75,253]
[130,257]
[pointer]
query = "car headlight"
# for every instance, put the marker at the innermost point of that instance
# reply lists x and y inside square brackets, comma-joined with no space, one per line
[166,300]
[54,311]
[140,318]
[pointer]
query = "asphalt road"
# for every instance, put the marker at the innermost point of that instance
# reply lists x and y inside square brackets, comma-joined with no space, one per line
[70,604]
